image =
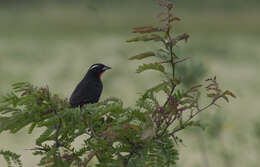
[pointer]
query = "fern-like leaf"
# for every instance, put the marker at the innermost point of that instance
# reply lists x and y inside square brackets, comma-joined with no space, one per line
[142,56]
[11,158]
[151,66]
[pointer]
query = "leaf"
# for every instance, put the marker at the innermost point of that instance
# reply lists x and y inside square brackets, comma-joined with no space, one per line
[225,97]
[149,130]
[11,158]
[195,88]
[145,38]
[128,126]
[148,133]
[195,124]
[178,60]
[142,56]
[139,115]
[211,95]
[159,87]
[140,38]
[227,92]
[176,81]
[111,100]
[21,86]
[44,136]
[147,29]
[181,37]
[151,66]
[174,19]
[170,18]
[31,128]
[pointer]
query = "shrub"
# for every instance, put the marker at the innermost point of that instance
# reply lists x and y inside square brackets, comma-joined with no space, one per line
[142,135]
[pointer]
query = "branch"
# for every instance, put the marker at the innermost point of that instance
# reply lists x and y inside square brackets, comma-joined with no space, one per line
[181,37]
[192,116]
[57,130]
[39,148]
[169,95]
[175,61]
[168,123]
[172,54]
[90,156]
[93,134]
[126,161]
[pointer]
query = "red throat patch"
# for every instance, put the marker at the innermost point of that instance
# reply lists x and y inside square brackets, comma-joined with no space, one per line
[100,75]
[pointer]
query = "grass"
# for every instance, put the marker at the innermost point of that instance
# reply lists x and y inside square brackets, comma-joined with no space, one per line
[55,46]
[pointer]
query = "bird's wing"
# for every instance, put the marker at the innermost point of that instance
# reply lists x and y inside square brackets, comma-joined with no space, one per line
[84,93]
[78,94]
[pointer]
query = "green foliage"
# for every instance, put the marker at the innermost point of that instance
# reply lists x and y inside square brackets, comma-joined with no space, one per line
[142,56]
[141,135]
[151,66]
[11,158]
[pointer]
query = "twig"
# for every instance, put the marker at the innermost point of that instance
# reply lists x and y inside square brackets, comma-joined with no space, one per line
[192,116]
[175,61]
[57,130]
[93,134]
[90,156]
[172,54]
[168,123]
[126,161]
[169,95]
[174,138]
[39,148]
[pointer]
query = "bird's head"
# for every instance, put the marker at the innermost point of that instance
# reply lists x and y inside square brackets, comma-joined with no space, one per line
[98,69]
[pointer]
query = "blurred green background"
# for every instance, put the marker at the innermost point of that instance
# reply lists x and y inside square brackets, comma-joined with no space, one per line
[55,41]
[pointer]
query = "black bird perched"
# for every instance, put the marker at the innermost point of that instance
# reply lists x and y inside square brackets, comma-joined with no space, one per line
[90,87]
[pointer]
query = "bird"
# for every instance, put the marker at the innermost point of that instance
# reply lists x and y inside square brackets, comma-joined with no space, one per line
[90,87]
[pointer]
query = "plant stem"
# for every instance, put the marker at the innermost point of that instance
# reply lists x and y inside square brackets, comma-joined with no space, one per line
[192,116]
[90,156]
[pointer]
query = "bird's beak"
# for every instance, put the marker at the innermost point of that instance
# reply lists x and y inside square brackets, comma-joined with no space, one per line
[106,68]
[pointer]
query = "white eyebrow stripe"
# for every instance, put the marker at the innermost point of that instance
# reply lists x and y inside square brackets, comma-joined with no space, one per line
[94,66]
